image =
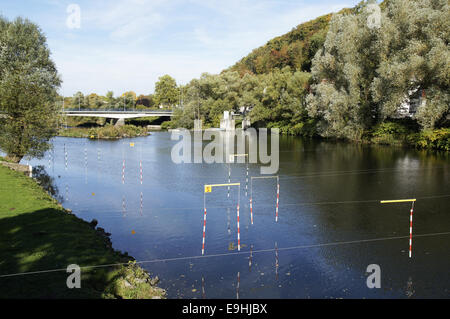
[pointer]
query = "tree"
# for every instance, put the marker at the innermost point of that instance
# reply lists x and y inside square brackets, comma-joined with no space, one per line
[416,58]
[110,99]
[343,72]
[28,90]
[366,71]
[79,101]
[166,91]
[127,100]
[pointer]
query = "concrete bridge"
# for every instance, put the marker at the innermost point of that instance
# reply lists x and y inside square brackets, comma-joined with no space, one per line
[119,114]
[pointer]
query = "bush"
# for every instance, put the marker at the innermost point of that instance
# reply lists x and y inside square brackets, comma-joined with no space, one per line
[167,125]
[390,133]
[107,132]
[438,139]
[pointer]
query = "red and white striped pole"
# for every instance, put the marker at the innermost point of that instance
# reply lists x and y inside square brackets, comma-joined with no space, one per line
[238,229]
[251,210]
[278,199]
[204,231]
[410,217]
[410,230]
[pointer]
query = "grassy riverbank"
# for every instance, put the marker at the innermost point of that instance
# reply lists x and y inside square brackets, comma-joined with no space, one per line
[105,132]
[37,234]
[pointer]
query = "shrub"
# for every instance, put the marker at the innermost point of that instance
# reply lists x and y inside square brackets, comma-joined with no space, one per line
[166,125]
[389,133]
[435,139]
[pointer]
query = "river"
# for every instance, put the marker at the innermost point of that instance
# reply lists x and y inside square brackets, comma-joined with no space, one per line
[331,224]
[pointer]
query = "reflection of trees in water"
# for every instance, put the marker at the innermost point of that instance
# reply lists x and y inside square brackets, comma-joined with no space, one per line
[46,182]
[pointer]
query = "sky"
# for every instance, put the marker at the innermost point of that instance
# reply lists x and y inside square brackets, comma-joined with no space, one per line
[126,45]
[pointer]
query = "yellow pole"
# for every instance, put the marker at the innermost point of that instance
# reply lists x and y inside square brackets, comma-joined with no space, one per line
[397,201]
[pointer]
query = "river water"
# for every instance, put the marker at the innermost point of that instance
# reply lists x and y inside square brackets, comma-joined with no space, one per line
[331,225]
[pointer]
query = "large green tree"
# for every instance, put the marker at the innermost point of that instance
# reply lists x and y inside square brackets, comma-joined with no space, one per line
[343,71]
[28,89]
[415,57]
[166,91]
[366,71]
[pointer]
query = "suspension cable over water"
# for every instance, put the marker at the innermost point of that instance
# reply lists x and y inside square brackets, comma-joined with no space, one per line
[234,254]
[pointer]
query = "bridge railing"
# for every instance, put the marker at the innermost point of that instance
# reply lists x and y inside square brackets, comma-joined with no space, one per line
[117,110]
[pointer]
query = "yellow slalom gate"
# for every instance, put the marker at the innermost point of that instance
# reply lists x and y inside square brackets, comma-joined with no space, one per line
[413,200]
[251,194]
[208,189]
[397,201]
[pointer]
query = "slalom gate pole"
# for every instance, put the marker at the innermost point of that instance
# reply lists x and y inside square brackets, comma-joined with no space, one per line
[208,189]
[410,217]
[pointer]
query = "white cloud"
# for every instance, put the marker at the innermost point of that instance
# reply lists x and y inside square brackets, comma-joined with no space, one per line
[127,44]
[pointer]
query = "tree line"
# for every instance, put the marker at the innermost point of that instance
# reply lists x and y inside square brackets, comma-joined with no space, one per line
[166,95]
[348,82]
[359,78]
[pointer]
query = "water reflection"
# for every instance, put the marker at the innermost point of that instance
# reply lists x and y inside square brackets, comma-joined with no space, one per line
[238,284]
[46,181]
[174,194]
[203,288]
[409,288]
[276,261]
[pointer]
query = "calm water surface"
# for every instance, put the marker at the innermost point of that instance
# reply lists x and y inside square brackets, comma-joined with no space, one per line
[319,248]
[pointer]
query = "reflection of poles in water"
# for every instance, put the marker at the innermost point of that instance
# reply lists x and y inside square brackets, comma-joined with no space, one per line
[140,171]
[98,164]
[67,192]
[228,221]
[123,171]
[237,285]
[203,288]
[123,164]
[124,210]
[409,288]
[278,199]
[276,261]
[250,259]
[65,156]
[229,179]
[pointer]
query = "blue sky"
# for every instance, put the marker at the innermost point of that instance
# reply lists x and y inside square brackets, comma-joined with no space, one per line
[126,45]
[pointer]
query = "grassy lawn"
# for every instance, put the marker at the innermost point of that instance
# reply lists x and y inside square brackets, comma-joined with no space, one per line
[37,234]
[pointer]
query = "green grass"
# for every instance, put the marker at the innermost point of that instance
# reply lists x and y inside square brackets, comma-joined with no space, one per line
[37,234]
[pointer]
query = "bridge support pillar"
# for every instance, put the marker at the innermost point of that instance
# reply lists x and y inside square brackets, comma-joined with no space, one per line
[120,122]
